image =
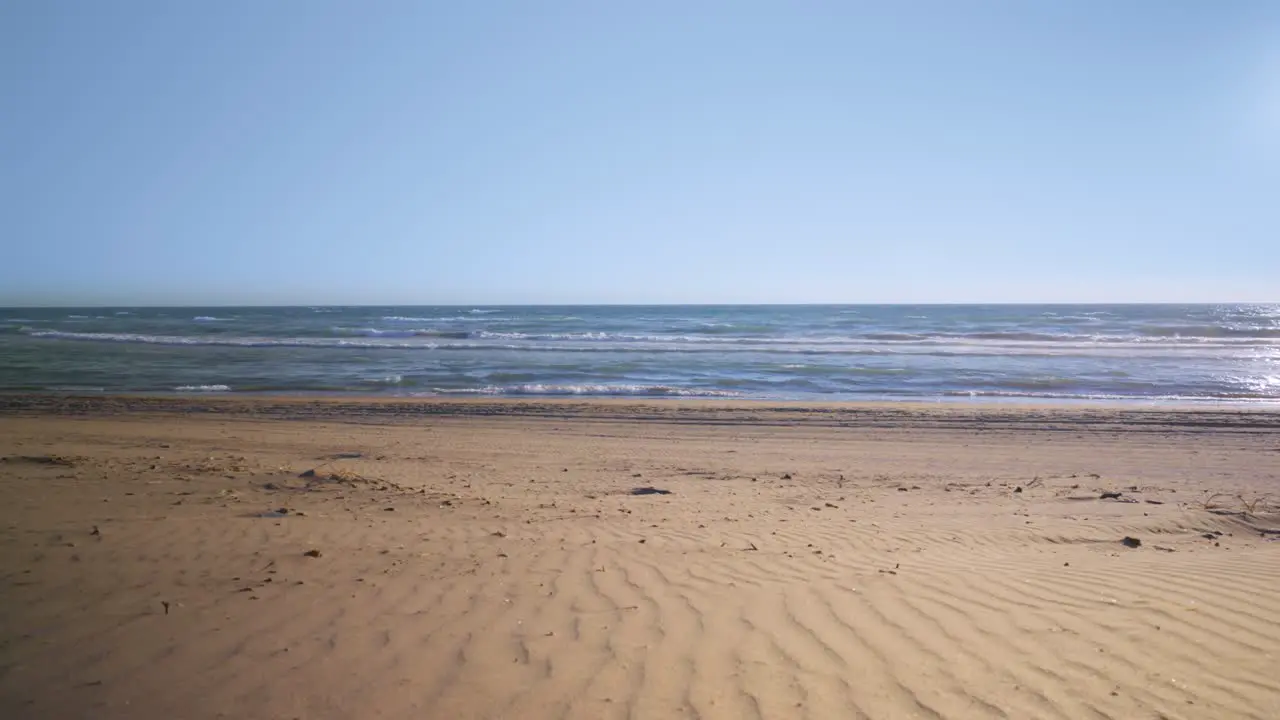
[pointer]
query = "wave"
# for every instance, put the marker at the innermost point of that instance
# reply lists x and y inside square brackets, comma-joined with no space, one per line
[937,338]
[1210,331]
[663,344]
[375,332]
[588,389]
[584,336]
[838,370]
[1268,385]
[1034,383]
[1144,336]
[1092,396]
[714,328]
[1016,336]
[184,340]
[203,388]
[387,380]
[1019,341]
[513,378]
[295,342]
[453,319]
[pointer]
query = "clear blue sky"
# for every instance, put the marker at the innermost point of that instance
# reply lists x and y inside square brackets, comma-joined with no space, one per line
[297,151]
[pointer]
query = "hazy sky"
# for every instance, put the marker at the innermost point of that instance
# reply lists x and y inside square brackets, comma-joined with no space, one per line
[299,151]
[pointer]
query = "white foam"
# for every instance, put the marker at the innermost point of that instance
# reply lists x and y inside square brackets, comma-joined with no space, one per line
[481,317]
[388,380]
[203,388]
[593,336]
[586,389]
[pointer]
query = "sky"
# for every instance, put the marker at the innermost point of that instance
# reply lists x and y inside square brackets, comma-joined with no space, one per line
[316,152]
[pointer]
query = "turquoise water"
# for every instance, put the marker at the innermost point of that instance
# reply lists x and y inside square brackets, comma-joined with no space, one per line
[1098,352]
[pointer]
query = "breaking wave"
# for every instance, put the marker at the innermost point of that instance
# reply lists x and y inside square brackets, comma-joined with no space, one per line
[588,389]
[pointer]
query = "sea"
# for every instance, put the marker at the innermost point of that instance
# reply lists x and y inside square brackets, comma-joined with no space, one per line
[1126,353]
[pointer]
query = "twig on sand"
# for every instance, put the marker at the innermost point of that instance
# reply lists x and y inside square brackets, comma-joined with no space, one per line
[1250,506]
[1207,502]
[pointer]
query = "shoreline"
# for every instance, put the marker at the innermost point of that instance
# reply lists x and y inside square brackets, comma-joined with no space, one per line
[954,400]
[978,416]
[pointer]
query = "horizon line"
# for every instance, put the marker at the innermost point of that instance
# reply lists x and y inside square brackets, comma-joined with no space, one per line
[636,304]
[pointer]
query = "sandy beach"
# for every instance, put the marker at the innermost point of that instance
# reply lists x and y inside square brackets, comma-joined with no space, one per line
[303,558]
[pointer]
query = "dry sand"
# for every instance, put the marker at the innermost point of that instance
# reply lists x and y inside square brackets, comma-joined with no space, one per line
[487,560]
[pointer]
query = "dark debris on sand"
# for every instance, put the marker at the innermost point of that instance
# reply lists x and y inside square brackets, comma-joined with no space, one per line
[649,490]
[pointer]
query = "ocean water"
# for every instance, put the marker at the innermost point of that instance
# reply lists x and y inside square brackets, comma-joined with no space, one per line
[858,352]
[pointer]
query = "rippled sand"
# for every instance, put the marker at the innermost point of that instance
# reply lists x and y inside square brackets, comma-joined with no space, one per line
[488,560]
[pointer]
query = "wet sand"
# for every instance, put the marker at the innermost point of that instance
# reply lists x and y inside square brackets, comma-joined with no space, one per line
[166,557]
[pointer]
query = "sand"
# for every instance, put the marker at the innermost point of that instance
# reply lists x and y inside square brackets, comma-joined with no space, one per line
[488,560]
